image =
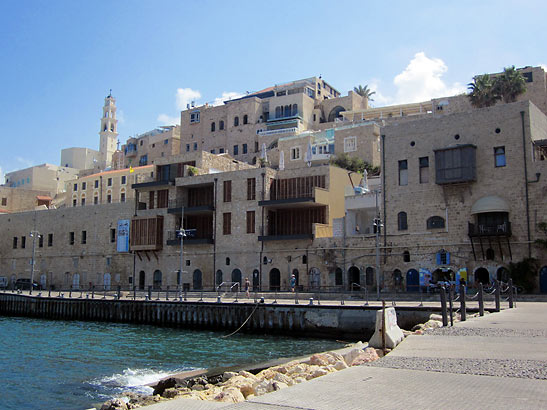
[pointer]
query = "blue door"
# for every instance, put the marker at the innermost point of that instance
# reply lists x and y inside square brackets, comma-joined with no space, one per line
[543,280]
[412,281]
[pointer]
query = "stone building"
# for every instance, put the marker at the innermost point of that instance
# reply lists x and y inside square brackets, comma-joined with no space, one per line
[144,149]
[44,177]
[18,200]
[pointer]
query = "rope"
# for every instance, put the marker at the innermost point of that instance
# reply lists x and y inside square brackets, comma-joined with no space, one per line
[243,324]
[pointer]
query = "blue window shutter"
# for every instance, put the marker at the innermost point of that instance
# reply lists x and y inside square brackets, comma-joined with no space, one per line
[448,258]
[438,254]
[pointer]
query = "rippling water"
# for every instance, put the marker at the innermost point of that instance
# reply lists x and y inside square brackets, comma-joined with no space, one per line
[48,364]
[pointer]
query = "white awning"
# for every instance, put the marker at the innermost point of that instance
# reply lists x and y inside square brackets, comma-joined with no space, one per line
[489,204]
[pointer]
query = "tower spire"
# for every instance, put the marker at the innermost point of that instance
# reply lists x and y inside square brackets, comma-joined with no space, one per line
[109,131]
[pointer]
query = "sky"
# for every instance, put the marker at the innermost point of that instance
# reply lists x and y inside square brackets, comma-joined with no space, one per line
[61,58]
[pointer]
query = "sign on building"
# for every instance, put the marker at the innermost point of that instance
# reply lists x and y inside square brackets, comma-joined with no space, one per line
[122,244]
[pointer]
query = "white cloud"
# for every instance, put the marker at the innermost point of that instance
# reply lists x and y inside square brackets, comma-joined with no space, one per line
[544,66]
[379,99]
[120,116]
[421,81]
[185,96]
[226,95]
[1,176]
[165,119]
[27,163]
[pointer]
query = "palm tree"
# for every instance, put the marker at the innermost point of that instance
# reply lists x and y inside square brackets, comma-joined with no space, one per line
[509,85]
[364,91]
[481,91]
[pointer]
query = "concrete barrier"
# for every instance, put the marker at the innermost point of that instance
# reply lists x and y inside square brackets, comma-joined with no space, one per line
[393,333]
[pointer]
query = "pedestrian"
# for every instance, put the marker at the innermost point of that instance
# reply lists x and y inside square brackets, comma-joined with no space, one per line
[293,282]
[247,287]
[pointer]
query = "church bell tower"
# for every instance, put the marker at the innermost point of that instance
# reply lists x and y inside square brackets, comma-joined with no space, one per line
[109,131]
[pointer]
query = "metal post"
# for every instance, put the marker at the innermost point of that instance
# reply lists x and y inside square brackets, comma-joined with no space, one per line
[149,292]
[167,293]
[463,314]
[451,304]
[134,292]
[104,291]
[185,294]
[510,293]
[384,326]
[421,297]
[497,294]
[481,300]
[93,292]
[296,297]
[275,296]
[443,306]
[119,292]
[49,293]
[33,234]
[342,298]
[201,296]
[70,292]
[319,297]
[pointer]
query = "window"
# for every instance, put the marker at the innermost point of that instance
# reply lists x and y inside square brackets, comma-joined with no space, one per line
[109,183]
[403,172]
[443,257]
[295,153]
[250,221]
[84,186]
[350,144]
[163,198]
[251,189]
[256,146]
[227,191]
[227,223]
[50,239]
[112,235]
[23,242]
[187,147]
[213,151]
[109,199]
[74,202]
[435,222]
[194,117]
[244,148]
[221,150]
[141,141]
[245,119]
[75,187]
[84,237]
[499,155]
[71,238]
[227,261]
[221,125]
[236,121]
[213,126]
[424,170]
[122,197]
[83,201]
[236,149]
[40,241]
[96,183]
[143,160]
[4,201]
[124,179]
[15,242]
[95,200]
[455,165]
[195,146]
[401,221]
[528,77]
[406,256]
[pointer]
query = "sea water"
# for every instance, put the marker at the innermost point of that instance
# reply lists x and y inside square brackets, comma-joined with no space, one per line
[46,364]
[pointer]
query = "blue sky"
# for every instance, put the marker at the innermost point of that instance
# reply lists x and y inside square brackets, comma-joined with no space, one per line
[60,58]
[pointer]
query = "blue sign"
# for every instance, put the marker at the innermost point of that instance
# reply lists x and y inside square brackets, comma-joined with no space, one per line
[122,244]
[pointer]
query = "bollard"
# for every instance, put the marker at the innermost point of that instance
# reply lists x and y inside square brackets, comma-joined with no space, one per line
[201,296]
[159,294]
[218,299]
[149,296]
[421,297]
[93,292]
[185,294]
[481,300]
[497,294]
[119,292]
[275,297]
[510,293]
[443,306]
[463,315]
[49,293]
[451,304]
[104,292]
[342,298]
[134,293]
[81,294]
[296,297]
[319,297]
[167,293]
[70,292]
[311,301]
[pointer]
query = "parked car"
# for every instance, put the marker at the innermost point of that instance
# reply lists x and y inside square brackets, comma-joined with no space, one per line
[24,284]
[3,282]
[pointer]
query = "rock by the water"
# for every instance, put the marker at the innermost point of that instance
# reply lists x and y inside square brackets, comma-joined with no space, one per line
[231,395]
[114,404]
[368,355]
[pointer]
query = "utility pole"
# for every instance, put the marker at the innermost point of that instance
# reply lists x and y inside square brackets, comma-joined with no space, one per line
[378,226]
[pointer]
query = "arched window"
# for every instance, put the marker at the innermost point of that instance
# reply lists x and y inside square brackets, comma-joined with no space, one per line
[221,125]
[245,119]
[112,127]
[435,222]
[295,109]
[236,121]
[406,256]
[401,221]
[287,111]
[278,112]
[213,126]
[105,128]
[265,260]
[157,279]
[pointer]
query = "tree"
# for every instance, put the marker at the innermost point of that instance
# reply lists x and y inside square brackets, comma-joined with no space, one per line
[542,243]
[509,85]
[524,273]
[354,164]
[482,91]
[364,91]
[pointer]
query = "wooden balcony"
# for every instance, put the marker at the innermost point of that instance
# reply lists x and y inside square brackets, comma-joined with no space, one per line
[481,230]
[146,234]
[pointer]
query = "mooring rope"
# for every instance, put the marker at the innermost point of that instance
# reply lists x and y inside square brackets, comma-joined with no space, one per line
[243,324]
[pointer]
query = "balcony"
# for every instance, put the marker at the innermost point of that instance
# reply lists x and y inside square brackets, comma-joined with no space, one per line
[455,165]
[198,239]
[293,191]
[147,234]
[290,130]
[296,223]
[483,230]
[175,207]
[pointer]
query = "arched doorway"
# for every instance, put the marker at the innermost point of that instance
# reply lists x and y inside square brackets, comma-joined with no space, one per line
[218,278]
[315,278]
[76,281]
[442,275]
[412,281]
[275,279]
[502,274]
[157,279]
[369,276]
[107,280]
[197,278]
[335,113]
[338,277]
[236,277]
[354,278]
[256,280]
[543,280]
[482,276]
[43,281]
[142,279]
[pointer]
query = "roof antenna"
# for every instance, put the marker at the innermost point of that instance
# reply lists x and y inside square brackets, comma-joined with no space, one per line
[110,95]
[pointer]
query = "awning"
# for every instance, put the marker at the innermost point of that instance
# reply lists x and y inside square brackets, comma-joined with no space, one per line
[489,204]
[43,198]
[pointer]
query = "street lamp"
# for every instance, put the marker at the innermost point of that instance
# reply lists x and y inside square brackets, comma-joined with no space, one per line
[33,235]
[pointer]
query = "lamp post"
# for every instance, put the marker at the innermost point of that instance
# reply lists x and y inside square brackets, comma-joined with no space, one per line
[378,227]
[33,234]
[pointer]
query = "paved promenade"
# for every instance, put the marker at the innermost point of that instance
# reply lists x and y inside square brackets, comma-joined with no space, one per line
[495,362]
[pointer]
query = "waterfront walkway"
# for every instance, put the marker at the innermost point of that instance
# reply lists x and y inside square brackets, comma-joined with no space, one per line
[498,361]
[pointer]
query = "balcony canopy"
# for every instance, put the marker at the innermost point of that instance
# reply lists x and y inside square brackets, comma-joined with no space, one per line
[489,204]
